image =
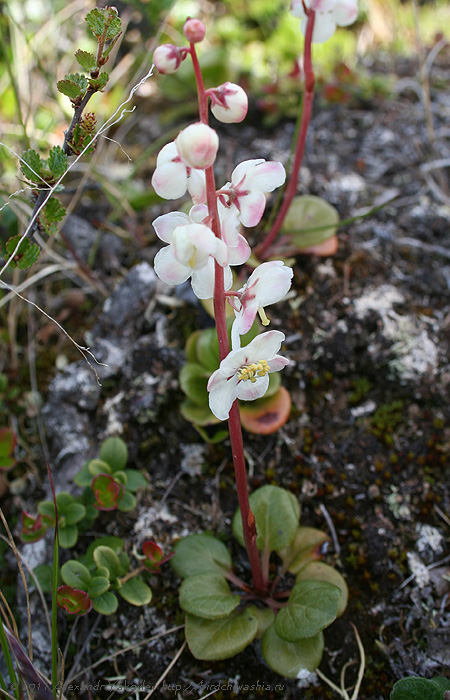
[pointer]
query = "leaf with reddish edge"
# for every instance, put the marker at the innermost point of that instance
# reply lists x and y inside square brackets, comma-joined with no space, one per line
[107,492]
[73,601]
[266,416]
[8,441]
[33,528]
[154,558]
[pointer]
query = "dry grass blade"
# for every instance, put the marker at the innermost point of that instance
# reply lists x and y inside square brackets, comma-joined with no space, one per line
[168,669]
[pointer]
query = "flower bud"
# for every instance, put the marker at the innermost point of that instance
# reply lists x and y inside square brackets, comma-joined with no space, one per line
[194,30]
[167,58]
[229,103]
[198,145]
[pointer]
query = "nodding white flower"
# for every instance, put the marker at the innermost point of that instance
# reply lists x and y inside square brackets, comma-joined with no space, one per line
[229,103]
[173,176]
[167,58]
[329,13]
[249,181]
[269,283]
[198,145]
[243,373]
[194,30]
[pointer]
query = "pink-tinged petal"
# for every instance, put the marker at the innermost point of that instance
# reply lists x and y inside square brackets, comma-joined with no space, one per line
[252,208]
[198,213]
[227,278]
[345,12]
[324,27]
[222,395]
[170,180]
[266,177]
[166,224]
[168,269]
[273,282]
[276,363]
[249,391]
[203,281]
[198,145]
[230,224]
[240,253]
[196,184]
[167,154]
[265,346]
[247,315]
[243,168]
[297,9]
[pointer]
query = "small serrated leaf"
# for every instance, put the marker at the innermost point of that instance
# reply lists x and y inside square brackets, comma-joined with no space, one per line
[26,255]
[96,22]
[100,82]
[73,85]
[115,27]
[31,165]
[86,60]
[52,213]
[57,162]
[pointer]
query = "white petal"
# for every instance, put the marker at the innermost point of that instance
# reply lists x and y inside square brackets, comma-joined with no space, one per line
[222,395]
[168,269]
[252,208]
[198,213]
[170,180]
[240,253]
[273,282]
[243,168]
[345,12]
[196,184]
[266,176]
[167,153]
[247,315]
[203,281]
[249,391]
[324,27]
[164,225]
[264,347]
[276,363]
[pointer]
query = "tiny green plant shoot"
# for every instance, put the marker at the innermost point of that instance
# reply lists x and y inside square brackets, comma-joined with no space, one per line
[202,246]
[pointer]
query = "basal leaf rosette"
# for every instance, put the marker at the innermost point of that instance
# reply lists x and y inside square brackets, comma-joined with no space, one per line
[154,556]
[70,514]
[107,491]
[73,601]
[33,527]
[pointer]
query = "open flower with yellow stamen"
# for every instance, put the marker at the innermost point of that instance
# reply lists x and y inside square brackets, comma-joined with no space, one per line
[244,373]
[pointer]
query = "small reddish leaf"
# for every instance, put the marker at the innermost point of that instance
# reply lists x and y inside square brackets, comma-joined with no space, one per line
[33,528]
[267,415]
[73,601]
[107,492]
[154,556]
[328,247]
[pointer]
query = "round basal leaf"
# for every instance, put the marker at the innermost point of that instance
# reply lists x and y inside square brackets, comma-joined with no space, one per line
[198,415]
[44,575]
[193,380]
[124,560]
[276,512]
[115,452]
[199,554]
[136,592]
[190,348]
[308,545]
[127,502]
[417,689]
[308,212]
[267,415]
[292,659]
[99,466]
[83,477]
[208,595]
[68,536]
[97,586]
[63,499]
[212,640]
[74,601]
[75,574]
[208,349]
[318,571]
[111,541]
[101,571]
[120,477]
[311,607]
[135,480]
[265,616]
[105,604]
[104,556]
[74,513]
[46,508]
[211,436]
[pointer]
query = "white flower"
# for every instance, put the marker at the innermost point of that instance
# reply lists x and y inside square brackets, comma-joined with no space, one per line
[249,181]
[269,283]
[198,145]
[329,13]
[167,58]
[229,103]
[173,177]
[243,373]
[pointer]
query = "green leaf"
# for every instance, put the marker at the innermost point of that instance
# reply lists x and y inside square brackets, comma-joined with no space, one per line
[44,573]
[96,22]
[124,560]
[306,546]
[73,86]
[136,592]
[26,255]
[211,640]
[97,586]
[207,595]
[127,502]
[86,60]
[57,162]
[199,554]
[135,480]
[63,499]
[111,541]
[114,451]
[84,476]
[419,689]
[318,571]
[312,606]
[104,556]
[193,381]
[74,513]
[265,616]
[105,604]
[68,536]
[114,23]
[75,574]
[100,82]
[199,415]
[52,213]
[46,508]
[308,212]
[290,659]
[276,512]
[207,348]
[99,466]
[33,166]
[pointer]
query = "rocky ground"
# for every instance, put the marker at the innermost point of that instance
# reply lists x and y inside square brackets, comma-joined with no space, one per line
[366,447]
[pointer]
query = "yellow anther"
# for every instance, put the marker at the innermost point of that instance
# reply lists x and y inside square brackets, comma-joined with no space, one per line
[262,314]
[252,371]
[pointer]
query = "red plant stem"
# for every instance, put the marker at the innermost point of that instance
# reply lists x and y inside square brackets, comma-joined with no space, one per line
[307,103]
[234,422]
